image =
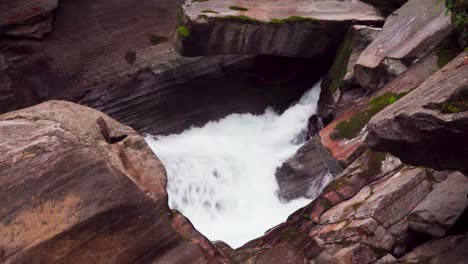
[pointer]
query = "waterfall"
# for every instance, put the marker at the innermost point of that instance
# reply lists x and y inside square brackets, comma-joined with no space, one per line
[222,175]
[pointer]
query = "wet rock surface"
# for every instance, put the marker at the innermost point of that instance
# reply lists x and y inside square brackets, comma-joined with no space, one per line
[284,28]
[69,195]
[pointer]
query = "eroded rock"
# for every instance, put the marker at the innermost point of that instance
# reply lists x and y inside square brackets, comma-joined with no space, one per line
[429,126]
[69,195]
[284,28]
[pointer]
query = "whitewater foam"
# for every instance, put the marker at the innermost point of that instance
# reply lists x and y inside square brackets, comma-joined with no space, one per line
[222,176]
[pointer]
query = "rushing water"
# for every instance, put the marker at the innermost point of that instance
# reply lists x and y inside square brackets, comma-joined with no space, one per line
[222,176]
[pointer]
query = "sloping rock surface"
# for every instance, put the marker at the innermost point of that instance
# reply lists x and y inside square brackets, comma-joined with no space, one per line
[78,187]
[407,35]
[442,207]
[285,28]
[429,126]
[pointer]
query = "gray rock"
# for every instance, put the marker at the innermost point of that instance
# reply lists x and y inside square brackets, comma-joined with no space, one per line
[408,34]
[429,126]
[442,207]
[303,174]
[300,28]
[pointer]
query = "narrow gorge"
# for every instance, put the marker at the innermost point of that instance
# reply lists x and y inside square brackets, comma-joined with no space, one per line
[234,131]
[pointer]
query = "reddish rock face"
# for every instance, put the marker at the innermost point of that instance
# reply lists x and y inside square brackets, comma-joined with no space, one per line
[346,150]
[68,194]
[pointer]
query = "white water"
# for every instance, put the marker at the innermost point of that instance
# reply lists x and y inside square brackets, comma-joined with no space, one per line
[222,176]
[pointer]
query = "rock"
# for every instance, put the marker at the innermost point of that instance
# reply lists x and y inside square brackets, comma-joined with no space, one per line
[429,126]
[301,28]
[354,254]
[394,198]
[27,18]
[452,249]
[386,7]
[125,72]
[70,196]
[305,174]
[442,207]
[344,137]
[340,77]
[408,34]
[387,259]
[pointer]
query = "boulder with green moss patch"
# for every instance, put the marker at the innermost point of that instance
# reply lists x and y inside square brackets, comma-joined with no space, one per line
[429,126]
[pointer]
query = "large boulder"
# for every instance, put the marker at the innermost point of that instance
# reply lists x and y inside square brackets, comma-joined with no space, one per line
[300,28]
[442,207]
[429,126]
[79,187]
[119,60]
[27,18]
[408,34]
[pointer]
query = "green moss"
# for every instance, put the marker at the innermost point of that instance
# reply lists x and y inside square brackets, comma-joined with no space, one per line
[335,185]
[183,31]
[306,217]
[374,163]
[130,57]
[290,233]
[293,19]
[340,64]
[326,203]
[350,128]
[209,11]
[156,39]
[459,9]
[238,8]
[456,104]
[446,50]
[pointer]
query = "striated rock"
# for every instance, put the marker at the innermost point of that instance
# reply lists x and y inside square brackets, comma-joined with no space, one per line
[354,254]
[452,249]
[285,28]
[344,137]
[130,73]
[27,18]
[408,34]
[70,195]
[429,126]
[304,174]
[437,213]
[340,77]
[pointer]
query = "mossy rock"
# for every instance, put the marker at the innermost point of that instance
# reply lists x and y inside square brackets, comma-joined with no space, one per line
[238,8]
[183,31]
[349,129]
[447,50]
